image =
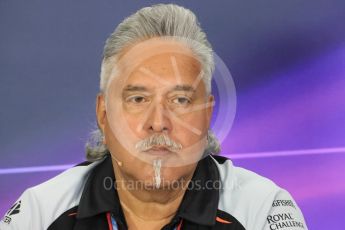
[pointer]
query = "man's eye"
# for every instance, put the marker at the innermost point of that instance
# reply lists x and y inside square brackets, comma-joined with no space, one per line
[136,99]
[181,101]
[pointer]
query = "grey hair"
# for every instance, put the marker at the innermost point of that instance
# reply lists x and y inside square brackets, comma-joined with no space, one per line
[161,20]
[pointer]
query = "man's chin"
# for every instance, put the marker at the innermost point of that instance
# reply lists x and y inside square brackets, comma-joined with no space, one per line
[167,185]
[151,185]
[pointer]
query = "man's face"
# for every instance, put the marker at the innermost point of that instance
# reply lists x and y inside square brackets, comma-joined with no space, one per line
[157,90]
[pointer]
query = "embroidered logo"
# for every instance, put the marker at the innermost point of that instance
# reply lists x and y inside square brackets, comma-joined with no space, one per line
[15,209]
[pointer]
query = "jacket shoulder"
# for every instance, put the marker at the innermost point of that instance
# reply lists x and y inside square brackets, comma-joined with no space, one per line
[40,205]
[250,197]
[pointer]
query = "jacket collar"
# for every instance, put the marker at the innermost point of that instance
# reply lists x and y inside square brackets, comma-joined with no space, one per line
[199,204]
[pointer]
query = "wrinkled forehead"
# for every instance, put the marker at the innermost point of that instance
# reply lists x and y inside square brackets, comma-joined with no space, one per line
[158,60]
[150,47]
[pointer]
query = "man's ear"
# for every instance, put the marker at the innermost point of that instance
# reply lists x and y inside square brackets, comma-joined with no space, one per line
[101,112]
[209,108]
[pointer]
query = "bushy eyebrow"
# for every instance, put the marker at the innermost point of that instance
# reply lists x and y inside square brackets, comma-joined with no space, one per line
[131,88]
[186,88]
[136,88]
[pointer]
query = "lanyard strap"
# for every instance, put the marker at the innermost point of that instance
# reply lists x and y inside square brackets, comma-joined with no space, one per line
[113,225]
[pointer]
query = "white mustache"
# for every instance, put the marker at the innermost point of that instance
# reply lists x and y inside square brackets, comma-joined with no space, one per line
[158,140]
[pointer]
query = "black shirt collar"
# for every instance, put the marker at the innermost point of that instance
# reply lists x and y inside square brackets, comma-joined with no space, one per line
[199,204]
[99,195]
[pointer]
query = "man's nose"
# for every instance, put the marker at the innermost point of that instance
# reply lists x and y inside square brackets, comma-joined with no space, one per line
[158,119]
